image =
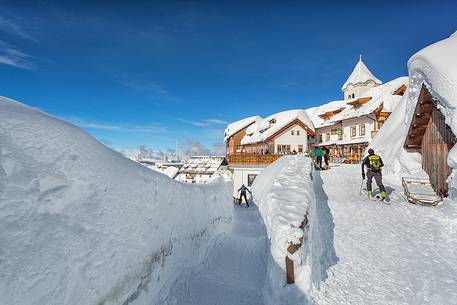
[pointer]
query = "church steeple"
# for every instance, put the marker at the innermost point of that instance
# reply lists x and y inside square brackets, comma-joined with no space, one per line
[360,80]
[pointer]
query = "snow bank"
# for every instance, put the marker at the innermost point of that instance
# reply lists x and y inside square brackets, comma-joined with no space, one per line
[81,224]
[436,67]
[286,197]
[389,141]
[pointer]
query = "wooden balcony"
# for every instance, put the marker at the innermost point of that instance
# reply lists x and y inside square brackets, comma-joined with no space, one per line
[252,159]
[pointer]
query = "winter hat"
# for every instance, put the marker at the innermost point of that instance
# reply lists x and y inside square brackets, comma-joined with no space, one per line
[371,151]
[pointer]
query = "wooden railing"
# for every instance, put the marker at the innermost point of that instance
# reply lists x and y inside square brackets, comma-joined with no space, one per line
[252,159]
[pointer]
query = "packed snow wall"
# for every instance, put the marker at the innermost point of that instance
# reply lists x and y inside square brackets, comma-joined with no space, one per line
[81,224]
[294,209]
[389,141]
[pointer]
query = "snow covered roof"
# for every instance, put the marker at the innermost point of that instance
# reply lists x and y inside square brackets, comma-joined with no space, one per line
[239,125]
[360,74]
[262,129]
[202,165]
[436,67]
[382,95]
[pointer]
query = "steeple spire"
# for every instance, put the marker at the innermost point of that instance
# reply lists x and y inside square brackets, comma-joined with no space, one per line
[360,75]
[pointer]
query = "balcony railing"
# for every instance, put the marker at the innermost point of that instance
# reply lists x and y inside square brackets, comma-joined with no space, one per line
[252,159]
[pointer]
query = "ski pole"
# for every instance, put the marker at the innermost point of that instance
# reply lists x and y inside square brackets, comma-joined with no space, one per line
[361,186]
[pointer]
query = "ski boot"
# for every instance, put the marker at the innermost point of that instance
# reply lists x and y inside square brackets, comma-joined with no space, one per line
[383,196]
[370,194]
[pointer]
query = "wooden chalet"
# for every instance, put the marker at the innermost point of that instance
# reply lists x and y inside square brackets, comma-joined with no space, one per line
[429,135]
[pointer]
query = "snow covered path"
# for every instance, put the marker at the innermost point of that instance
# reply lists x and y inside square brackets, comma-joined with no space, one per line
[387,254]
[233,271]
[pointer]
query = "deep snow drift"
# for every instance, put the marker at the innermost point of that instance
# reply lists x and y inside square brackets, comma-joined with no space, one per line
[81,224]
[289,196]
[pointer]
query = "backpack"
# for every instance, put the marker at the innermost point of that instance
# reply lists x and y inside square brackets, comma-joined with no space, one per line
[375,162]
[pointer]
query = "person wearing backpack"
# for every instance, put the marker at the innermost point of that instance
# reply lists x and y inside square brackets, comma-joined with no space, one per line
[374,164]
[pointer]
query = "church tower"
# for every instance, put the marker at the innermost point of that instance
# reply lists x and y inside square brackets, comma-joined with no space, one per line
[360,80]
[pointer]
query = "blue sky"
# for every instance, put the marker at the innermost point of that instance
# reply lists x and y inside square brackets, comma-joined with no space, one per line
[148,73]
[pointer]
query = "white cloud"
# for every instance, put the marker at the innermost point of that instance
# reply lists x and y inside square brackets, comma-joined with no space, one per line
[204,123]
[13,26]
[84,123]
[195,148]
[146,86]
[11,56]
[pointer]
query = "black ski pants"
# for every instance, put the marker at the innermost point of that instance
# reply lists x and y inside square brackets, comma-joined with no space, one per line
[319,161]
[245,198]
[377,177]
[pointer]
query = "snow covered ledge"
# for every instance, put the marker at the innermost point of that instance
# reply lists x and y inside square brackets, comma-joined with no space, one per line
[294,208]
[82,225]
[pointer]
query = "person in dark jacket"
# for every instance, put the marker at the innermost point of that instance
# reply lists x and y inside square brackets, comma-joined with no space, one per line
[243,189]
[374,164]
[326,155]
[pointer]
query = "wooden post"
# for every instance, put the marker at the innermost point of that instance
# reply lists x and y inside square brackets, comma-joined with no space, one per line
[290,271]
[292,248]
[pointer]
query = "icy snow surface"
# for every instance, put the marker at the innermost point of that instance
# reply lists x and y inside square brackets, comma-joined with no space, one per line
[234,269]
[80,224]
[396,253]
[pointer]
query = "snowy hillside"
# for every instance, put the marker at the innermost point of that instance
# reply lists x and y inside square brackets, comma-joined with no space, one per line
[81,224]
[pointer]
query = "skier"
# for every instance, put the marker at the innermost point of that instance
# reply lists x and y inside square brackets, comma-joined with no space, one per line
[374,164]
[318,153]
[243,190]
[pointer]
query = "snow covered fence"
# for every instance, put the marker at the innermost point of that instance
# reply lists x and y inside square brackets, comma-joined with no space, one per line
[81,224]
[285,193]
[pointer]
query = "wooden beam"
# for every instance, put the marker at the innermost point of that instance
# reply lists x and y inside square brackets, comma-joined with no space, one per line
[420,121]
[419,131]
[424,109]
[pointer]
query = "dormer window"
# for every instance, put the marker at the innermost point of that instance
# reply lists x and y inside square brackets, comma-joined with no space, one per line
[273,121]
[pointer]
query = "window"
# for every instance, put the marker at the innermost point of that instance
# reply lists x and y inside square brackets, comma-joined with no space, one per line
[251,178]
[333,132]
[298,132]
[362,129]
[292,132]
[300,148]
[283,149]
[339,131]
[353,131]
[238,148]
[273,121]
[327,136]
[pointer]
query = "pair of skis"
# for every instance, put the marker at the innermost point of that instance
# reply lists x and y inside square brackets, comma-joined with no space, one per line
[376,198]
